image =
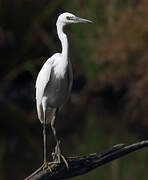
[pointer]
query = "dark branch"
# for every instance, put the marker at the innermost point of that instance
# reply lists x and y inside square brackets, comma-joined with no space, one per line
[84,164]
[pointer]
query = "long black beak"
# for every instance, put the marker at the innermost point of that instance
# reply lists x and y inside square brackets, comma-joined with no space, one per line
[81,20]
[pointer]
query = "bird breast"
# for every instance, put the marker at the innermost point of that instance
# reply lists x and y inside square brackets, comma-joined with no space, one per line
[60,68]
[56,91]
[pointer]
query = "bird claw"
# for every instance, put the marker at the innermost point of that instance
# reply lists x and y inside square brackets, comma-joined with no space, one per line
[46,166]
[65,161]
[57,157]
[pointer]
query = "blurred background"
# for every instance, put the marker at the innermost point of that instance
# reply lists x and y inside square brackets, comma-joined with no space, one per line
[109,100]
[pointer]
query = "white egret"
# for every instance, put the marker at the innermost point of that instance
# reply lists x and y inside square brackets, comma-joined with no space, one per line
[54,81]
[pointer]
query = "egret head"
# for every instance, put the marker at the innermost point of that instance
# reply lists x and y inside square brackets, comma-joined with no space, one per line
[68,18]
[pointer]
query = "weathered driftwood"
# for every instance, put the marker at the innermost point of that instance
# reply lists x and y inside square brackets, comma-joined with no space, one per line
[84,164]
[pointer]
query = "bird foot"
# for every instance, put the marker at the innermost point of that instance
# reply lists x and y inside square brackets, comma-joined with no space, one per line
[57,158]
[46,166]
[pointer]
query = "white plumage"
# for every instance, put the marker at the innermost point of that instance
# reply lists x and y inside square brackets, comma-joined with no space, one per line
[54,81]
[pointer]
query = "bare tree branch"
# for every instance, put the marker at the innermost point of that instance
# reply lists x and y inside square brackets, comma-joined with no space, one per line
[84,164]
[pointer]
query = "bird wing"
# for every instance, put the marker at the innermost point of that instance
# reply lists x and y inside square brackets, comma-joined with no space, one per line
[70,78]
[70,82]
[41,83]
[42,80]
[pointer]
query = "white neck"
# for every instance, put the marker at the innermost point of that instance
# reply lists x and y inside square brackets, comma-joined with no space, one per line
[63,38]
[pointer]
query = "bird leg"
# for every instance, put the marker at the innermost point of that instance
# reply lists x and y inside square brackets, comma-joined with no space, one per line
[54,131]
[57,156]
[45,145]
[45,164]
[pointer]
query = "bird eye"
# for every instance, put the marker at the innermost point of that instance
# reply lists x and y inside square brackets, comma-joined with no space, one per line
[69,18]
